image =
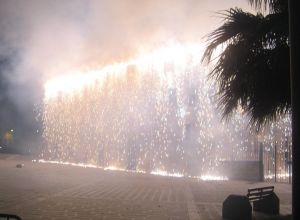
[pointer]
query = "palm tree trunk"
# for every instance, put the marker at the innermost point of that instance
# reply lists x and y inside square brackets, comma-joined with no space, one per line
[294,26]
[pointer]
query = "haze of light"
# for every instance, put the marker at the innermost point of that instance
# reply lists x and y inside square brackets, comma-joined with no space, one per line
[156,114]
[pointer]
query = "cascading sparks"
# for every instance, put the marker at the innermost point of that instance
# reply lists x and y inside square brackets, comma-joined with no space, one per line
[156,113]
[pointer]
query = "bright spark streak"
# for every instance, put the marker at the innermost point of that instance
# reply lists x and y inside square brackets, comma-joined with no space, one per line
[77,80]
[66,163]
[114,168]
[213,178]
[165,173]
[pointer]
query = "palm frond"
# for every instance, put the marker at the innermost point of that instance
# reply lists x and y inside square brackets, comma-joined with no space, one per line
[237,23]
[274,6]
[253,70]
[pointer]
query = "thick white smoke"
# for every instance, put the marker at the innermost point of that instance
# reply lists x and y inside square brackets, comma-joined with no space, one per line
[41,39]
[53,36]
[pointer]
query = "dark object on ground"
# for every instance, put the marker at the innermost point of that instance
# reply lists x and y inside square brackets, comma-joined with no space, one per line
[10,216]
[286,217]
[264,200]
[237,207]
[19,165]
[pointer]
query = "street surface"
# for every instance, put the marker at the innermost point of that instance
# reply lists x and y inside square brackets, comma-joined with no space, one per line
[52,191]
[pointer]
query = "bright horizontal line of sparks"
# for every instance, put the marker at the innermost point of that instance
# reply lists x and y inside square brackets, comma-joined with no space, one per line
[164,173]
[77,80]
[212,177]
[114,168]
[279,175]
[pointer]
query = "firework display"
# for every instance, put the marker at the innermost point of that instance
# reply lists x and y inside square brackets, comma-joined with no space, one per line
[156,113]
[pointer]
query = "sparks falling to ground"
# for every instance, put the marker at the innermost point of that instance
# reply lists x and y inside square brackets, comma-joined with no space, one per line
[156,114]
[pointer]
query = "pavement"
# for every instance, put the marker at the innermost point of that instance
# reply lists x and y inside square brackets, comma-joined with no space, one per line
[53,191]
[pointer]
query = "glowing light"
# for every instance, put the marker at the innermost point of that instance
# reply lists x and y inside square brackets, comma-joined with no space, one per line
[77,80]
[114,168]
[278,175]
[66,163]
[154,114]
[165,173]
[213,178]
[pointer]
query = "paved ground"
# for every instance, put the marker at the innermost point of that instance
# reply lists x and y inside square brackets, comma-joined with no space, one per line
[49,191]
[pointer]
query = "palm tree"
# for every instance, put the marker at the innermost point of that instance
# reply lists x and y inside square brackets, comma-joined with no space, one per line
[253,69]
